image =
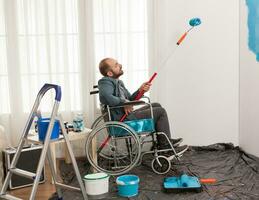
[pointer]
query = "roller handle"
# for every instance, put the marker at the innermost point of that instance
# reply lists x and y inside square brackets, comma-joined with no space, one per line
[152,77]
[123,117]
[208,180]
[182,38]
[140,94]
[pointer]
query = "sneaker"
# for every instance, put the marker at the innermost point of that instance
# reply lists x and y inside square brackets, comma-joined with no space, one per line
[181,149]
[176,142]
[163,146]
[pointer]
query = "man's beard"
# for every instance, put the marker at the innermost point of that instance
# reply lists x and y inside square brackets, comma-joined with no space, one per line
[115,76]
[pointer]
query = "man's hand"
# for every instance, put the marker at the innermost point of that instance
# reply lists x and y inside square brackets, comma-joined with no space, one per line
[128,109]
[145,87]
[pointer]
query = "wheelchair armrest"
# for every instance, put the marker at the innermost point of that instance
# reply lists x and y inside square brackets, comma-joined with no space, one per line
[134,103]
[146,97]
[129,103]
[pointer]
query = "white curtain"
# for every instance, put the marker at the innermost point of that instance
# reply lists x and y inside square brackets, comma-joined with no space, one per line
[62,42]
[121,32]
[45,41]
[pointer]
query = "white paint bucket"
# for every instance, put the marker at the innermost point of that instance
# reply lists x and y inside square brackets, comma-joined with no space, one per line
[96,184]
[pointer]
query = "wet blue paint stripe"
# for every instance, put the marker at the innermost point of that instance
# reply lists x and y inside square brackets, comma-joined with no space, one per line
[253,26]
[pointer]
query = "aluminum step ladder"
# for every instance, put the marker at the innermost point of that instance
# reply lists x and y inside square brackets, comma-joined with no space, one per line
[45,151]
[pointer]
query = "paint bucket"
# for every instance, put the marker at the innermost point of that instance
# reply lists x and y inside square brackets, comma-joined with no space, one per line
[43,124]
[127,185]
[97,184]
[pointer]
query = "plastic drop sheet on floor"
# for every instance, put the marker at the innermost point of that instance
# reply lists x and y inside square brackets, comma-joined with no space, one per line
[236,172]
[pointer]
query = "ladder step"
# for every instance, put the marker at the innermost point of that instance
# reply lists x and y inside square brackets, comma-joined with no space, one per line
[68,187]
[9,197]
[23,173]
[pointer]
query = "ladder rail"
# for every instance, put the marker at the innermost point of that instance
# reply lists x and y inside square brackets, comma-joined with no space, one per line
[22,141]
[53,173]
[45,153]
[71,154]
[44,150]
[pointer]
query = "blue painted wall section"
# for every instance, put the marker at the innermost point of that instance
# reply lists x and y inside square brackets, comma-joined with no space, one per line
[253,26]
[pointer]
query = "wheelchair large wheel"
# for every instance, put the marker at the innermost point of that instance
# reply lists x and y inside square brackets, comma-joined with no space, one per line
[161,165]
[99,121]
[113,148]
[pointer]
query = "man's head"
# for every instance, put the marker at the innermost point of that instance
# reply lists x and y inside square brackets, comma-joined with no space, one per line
[110,67]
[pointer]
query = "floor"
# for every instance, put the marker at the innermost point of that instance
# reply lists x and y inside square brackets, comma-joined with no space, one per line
[236,174]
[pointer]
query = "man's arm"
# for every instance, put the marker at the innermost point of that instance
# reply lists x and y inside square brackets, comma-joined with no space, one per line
[144,87]
[133,96]
[106,89]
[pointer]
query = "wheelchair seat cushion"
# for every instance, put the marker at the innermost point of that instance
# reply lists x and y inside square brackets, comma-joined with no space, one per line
[139,126]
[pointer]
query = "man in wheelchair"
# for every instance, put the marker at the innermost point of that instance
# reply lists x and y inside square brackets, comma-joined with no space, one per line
[112,92]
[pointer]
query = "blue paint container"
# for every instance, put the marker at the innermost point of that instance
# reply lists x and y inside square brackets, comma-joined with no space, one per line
[43,124]
[127,185]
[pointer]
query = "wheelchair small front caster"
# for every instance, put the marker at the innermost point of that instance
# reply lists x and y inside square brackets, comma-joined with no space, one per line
[161,165]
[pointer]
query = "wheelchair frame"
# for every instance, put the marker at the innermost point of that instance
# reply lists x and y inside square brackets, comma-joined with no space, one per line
[133,154]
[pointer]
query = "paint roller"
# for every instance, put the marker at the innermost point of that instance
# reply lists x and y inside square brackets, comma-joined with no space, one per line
[193,22]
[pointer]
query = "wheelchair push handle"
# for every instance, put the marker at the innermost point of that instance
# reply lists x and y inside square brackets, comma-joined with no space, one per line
[48,86]
[94,92]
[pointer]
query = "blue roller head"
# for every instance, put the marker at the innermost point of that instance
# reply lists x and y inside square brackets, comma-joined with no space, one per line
[195,21]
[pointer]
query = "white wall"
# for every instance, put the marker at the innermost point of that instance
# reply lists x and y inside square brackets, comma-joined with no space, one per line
[249,89]
[199,84]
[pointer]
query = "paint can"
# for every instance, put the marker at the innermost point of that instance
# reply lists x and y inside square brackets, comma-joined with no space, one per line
[127,185]
[97,185]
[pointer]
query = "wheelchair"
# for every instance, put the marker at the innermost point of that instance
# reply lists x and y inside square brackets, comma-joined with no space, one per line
[116,147]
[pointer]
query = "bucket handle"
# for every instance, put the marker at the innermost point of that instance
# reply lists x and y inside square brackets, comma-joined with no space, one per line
[120,182]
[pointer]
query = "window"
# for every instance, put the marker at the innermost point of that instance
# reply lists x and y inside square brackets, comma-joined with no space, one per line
[48,36]
[4,89]
[120,31]
[48,49]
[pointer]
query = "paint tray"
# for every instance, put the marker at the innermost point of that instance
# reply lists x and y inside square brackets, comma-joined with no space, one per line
[181,184]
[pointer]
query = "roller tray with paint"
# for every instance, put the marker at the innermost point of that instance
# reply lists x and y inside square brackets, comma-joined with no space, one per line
[182,183]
